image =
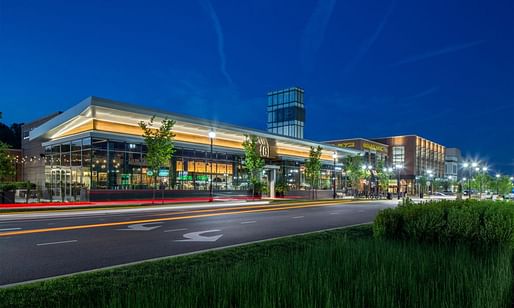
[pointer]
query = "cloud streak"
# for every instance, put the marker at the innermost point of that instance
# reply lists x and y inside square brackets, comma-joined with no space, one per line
[369,42]
[414,97]
[435,53]
[219,33]
[315,31]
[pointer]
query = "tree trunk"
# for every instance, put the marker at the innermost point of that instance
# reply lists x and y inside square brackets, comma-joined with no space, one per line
[154,188]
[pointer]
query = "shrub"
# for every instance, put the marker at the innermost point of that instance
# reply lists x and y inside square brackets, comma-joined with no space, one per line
[16,185]
[469,221]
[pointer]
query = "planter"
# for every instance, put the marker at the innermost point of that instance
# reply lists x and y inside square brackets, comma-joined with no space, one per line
[7,196]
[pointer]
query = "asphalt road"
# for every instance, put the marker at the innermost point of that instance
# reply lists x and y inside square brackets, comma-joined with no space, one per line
[41,245]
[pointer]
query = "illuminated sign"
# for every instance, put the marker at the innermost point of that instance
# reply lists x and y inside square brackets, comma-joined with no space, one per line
[264,150]
[164,172]
[346,145]
[149,173]
[373,147]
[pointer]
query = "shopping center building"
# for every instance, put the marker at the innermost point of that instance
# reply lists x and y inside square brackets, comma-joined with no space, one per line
[95,150]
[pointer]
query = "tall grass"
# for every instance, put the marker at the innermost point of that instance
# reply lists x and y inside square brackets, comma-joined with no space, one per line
[332,270]
[363,273]
[480,223]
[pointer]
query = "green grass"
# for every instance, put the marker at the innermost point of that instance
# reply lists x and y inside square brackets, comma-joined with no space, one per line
[342,268]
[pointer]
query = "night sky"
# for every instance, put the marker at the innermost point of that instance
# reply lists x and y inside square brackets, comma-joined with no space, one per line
[438,68]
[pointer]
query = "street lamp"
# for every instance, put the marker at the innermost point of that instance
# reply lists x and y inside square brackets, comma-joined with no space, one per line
[470,170]
[334,156]
[497,180]
[430,176]
[212,135]
[398,168]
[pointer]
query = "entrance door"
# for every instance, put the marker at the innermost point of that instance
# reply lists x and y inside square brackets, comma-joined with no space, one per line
[61,183]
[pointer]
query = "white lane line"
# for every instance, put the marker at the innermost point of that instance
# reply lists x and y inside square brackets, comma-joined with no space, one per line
[334,213]
[173,230]
[248,222]
[9,229]
[296,217]
[55,243]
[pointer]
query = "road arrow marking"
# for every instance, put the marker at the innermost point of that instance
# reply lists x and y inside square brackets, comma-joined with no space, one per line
[141,227]
[198,237]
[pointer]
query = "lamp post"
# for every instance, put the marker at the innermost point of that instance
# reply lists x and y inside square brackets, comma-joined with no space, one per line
[431,186]
[398,168]
[212,135]
[497,180]
[484,170]
[334,178]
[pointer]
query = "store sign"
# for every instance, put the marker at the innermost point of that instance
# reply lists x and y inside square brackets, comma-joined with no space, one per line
[164,172]
[373,147]
[264,148]
[346,145]
[149,173]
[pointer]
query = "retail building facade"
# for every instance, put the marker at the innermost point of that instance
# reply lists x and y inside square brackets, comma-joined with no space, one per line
[95,150]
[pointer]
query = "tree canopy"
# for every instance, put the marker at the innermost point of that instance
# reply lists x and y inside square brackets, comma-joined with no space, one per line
[160,143]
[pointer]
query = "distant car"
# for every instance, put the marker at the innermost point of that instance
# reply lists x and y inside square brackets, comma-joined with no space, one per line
[440,195]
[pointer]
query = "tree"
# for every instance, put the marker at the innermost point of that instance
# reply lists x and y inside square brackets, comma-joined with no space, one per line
[313,168]
[253,161]
[382,176]
[481,182]
[160,144]
[422,181]
[11,135]
[7,170]
[503,185]
[353,170]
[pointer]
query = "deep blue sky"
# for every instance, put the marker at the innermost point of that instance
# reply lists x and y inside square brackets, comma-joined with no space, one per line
[438,68]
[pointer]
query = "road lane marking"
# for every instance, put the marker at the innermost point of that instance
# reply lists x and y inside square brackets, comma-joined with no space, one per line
[174,230]
[248,222]
[55,243]
[334,213]
[9,229]
[198,237]
[123,223]
[296,217]
[141,227]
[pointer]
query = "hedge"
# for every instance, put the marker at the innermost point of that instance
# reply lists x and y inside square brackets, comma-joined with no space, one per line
[16,185]
[467,221]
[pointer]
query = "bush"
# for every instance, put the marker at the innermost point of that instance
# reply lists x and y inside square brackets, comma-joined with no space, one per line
[468,221]
[16,185]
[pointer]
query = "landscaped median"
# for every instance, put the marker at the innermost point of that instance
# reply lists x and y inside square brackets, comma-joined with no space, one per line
[341,268]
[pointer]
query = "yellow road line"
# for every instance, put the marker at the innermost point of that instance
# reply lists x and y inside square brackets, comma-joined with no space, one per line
[123,207]
[121,223]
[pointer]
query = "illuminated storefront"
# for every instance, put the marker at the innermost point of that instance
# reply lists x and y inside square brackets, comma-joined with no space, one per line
[95,150]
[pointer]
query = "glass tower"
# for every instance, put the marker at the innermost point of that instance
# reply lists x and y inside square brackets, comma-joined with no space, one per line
[286,112]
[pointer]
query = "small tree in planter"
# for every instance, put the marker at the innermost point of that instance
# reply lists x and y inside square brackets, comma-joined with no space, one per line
[313,169]
[160,144]
[354,172]
[253,162]
[281,189]
[7,170]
